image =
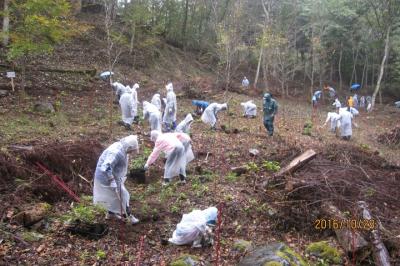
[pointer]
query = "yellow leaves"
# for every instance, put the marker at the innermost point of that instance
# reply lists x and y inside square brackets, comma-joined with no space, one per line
[40,24]
[271,39]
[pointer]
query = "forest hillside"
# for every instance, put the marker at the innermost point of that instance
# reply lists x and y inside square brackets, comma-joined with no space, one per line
[301,193]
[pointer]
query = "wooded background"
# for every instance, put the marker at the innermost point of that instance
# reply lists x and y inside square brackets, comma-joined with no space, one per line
[286,44]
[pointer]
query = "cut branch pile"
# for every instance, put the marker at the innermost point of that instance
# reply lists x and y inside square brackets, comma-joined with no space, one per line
[342,176]
[67,159]
[73,161]
[390,138]
[9,170]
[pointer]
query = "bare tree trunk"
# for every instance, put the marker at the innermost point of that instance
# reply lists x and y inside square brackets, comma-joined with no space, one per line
[321,73]
[265,69]
[354,72]
[184,24]
[331,73]
[373,71]
[340,66]
[364,70]
[132,39]
[312,63]
[258,67]
[366,74]
[6,23]
[378,84]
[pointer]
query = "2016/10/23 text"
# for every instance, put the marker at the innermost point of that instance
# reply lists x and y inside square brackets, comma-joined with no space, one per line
[352,224]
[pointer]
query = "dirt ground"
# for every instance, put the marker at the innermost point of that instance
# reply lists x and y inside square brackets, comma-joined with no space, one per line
[85,115]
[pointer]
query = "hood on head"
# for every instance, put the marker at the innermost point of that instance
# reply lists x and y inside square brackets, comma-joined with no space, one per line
[169,87]
[188,118]
[130,143]
[135,86]
[154,135]
[210,214]
[267,96]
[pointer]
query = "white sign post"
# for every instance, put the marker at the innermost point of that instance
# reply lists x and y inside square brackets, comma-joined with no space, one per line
[11,75]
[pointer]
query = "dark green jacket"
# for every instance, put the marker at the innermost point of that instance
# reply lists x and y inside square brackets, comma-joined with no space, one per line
[270,109]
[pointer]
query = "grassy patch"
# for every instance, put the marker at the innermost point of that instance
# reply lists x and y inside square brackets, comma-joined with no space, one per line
[85,211]
[307,128]
[231,177]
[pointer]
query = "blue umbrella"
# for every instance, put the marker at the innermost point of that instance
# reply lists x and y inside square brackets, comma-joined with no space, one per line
[106,74]
[355,86]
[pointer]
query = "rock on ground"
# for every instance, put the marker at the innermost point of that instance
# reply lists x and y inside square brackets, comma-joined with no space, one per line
[273,254]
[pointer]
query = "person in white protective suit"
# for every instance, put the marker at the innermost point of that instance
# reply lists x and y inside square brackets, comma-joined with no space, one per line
[109,178]
[135,99]
[169,118]
[345,124]
[184,125]
[333,117]
[337,104]
[245,82]
[194,228]
[120,89]
[175,153]
[153,115]
[353,111]
[156,101]
[187,144]
[355,100]
[209,115]
[127,104]
[362,102]
[250,109]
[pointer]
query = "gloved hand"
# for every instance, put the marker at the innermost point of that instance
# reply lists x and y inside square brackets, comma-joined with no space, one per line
[146,167]
[113,184]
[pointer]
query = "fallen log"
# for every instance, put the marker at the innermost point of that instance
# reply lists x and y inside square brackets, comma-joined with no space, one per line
[351,240]
[297,162]
[294,165]
[381,254]
[88,71]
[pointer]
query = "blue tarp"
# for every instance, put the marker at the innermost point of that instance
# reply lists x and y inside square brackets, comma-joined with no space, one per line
[202,104]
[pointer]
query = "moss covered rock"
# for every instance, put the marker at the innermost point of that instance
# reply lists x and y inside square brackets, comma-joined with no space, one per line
[273,255]
[186,260]
[324,251]
[31,236]
[242,245]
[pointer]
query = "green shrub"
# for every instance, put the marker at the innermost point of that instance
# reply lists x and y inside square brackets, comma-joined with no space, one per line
[252,167]
[272,166]
[140,160]
[85,211]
